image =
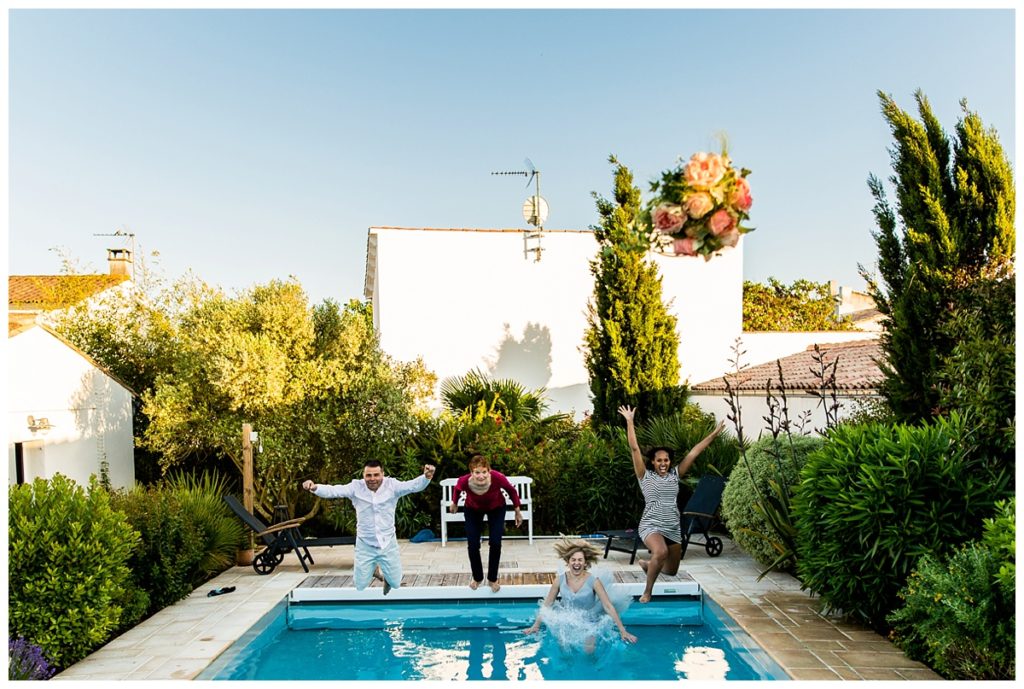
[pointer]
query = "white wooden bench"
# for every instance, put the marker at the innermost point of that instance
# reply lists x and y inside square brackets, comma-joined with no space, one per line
[522,485]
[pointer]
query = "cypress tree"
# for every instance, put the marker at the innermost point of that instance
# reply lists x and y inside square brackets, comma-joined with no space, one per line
[947,248]
[631,344]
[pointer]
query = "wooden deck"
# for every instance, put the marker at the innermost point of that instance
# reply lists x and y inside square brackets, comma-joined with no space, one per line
[464,579]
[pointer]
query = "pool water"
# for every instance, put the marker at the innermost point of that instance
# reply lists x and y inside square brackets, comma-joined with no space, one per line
[459,640]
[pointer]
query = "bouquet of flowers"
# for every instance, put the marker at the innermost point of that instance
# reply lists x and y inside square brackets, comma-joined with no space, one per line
[698,207]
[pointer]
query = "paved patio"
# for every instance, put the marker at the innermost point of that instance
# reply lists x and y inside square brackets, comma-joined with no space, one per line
[183,639]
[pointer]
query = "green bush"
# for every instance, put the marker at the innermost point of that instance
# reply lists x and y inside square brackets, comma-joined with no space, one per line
[769,459]
[585,482]
[172,545]
[1001,537]
[876,498]
[957,617]
[221,533]
[68,566]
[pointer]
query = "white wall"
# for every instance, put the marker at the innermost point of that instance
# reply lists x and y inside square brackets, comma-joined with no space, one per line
[466,299]
[707,301]
[90,412]
[753,409]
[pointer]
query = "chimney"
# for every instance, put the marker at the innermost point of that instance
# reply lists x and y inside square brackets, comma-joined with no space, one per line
[120,261]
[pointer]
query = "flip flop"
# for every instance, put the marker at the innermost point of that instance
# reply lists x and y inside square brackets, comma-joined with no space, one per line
[220,591]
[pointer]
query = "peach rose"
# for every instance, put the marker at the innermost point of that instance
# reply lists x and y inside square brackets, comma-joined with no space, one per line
[741,197]
[721,222]
[730,238]
[668,217]
[698,204]
[704,170]
[684,247]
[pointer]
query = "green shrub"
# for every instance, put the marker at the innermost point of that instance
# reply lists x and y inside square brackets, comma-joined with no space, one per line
[68,566]
[957,618]
[769,459]
[202,500]
[1001,537]
[876,498]
[172,545]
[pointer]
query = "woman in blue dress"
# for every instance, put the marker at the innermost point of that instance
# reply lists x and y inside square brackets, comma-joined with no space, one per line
[581,598]
[660,528]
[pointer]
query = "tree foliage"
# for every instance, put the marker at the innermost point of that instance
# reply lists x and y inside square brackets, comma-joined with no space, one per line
[129,332]
[312,381]
[631,344]
[509,399]
[947,247]
[800,307]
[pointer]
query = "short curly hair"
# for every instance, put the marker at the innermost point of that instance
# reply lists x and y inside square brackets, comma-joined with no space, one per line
[650,455]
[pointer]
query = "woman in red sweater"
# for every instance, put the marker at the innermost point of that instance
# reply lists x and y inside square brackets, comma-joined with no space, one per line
[482,486]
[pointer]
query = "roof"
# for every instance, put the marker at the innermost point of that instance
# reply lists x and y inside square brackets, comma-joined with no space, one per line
[17,326]
[857,370]
[18,323]
[45,292]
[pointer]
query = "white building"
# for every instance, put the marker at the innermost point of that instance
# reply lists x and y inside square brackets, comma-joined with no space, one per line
[65,414]
[473,298]
[857,379]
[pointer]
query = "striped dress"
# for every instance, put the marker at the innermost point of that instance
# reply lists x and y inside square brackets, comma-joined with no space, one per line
[661,514]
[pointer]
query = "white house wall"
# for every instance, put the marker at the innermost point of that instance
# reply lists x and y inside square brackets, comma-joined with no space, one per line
[89,412]
[753,409]
[465,299]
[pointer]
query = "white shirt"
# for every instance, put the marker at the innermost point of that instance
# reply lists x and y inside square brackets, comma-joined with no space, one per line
[375,510]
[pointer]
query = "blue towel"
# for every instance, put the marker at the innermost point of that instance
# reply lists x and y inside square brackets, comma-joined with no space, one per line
[422,536]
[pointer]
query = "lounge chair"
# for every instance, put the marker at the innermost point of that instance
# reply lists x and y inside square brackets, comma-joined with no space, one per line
[697,517]
[281,539]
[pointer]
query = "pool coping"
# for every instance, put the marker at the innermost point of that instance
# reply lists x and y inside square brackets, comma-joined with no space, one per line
[183,639]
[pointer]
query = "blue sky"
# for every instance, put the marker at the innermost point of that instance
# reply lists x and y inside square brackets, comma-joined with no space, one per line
[247,145]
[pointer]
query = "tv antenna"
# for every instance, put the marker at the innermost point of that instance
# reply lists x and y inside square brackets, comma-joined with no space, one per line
[122,232]
[535,210]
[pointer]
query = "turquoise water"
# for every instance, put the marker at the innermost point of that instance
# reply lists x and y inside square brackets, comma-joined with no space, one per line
[459,640]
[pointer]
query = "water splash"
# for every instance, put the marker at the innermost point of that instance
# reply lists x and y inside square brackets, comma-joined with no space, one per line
[586,629]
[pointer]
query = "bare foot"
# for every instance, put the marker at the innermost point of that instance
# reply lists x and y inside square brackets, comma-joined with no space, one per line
[474,584]
[646,598]
[643,564]
[495,586]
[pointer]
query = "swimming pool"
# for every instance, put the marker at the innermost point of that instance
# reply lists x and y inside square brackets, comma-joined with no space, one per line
[678,638]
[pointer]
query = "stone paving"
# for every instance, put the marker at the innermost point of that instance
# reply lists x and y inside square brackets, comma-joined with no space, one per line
[183,639]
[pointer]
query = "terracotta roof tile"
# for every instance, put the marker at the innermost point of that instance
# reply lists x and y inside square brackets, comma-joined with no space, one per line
[55,291]
[19,322]
[857,370]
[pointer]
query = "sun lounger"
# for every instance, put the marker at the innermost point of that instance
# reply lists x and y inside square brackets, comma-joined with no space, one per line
[281,539]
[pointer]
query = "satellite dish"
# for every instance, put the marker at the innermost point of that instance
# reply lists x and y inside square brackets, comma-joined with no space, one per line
[535,210]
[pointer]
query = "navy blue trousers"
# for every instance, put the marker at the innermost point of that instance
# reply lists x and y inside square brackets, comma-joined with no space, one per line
[495,530]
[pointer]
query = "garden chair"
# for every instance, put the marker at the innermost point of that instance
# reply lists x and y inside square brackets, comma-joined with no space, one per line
[281,539]
[698,517]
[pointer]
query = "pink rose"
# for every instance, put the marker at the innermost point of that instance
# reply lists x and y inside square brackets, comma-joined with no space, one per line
[704,170]
[730,238]
[721,222]
[668,217]
[741,197]
[684,247]
[698,204]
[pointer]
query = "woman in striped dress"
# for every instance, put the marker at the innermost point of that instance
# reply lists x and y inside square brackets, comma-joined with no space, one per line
[660,528]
